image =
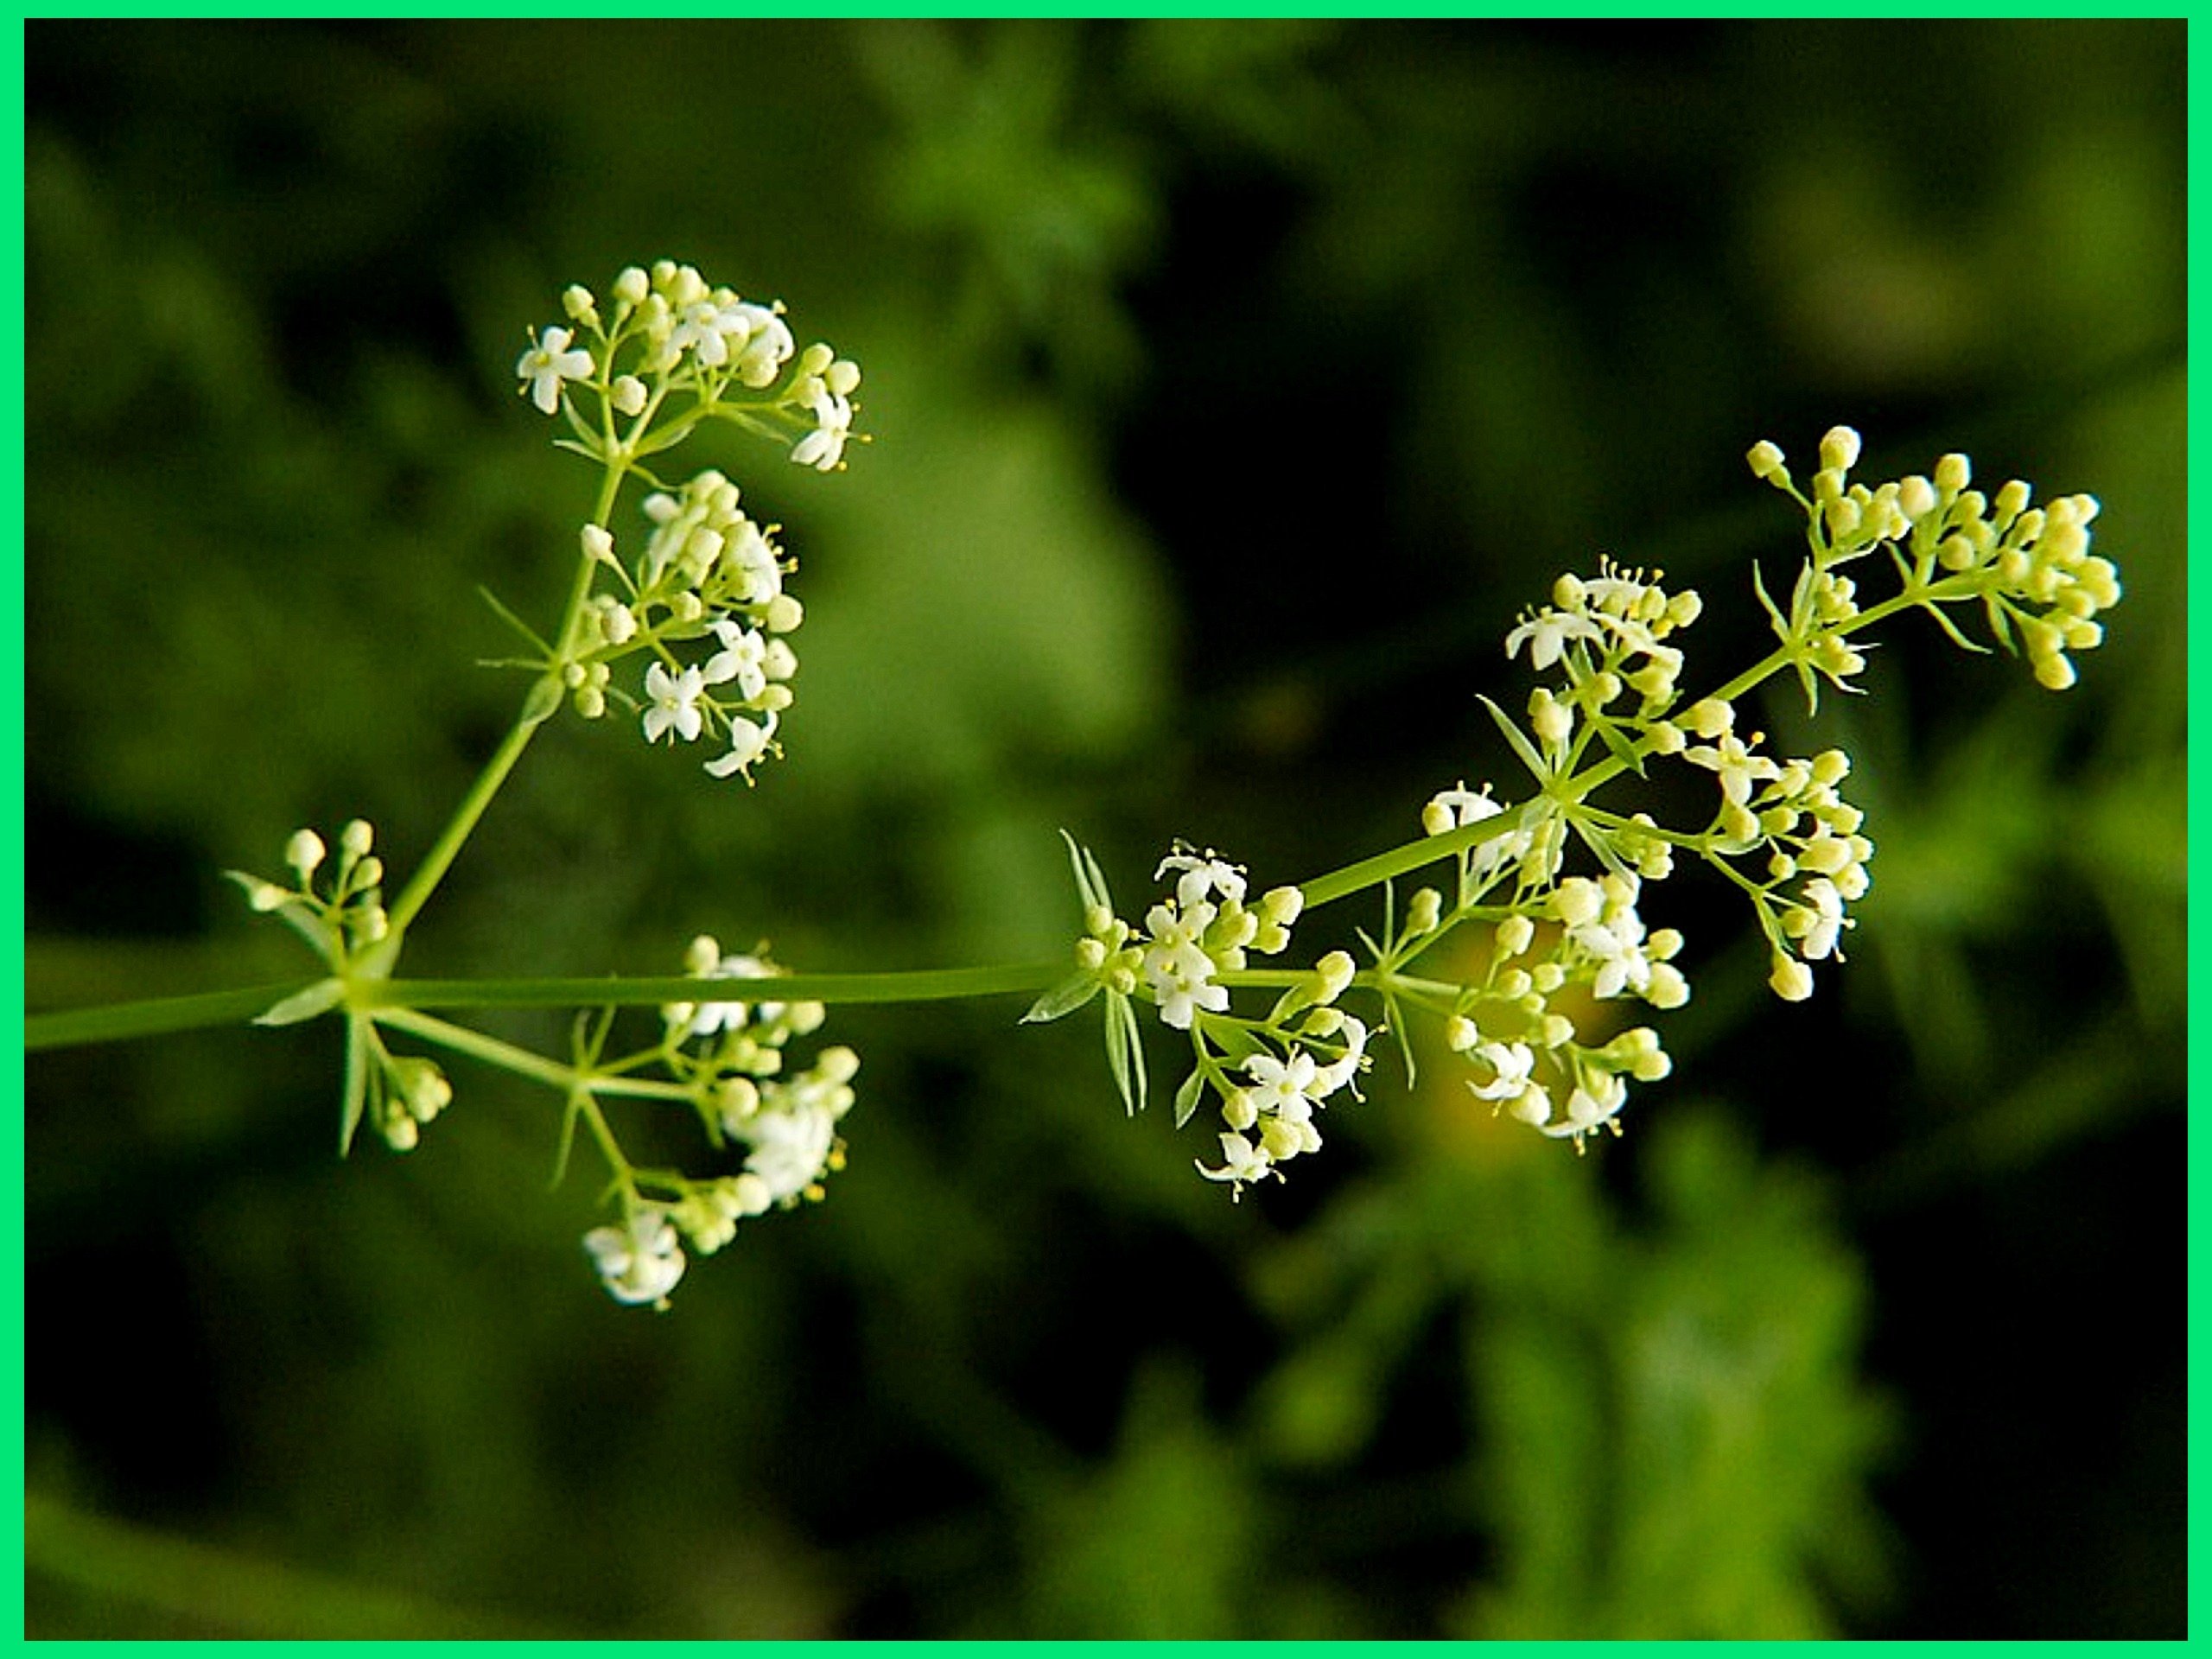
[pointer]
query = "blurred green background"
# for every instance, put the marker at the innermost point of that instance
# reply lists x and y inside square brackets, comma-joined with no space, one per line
[1233,384]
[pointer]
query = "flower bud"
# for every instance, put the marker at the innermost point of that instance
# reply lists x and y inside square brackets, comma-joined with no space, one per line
[1839,448]
[304,852]
[1765,460]
[627,395]
[1953,472]
[630,287]
[1792,980]
[1424,911]
[1515,934]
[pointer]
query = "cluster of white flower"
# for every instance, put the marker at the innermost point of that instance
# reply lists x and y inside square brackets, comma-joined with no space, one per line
[1608,634]
[675,351]
[708,572]
[729,1056]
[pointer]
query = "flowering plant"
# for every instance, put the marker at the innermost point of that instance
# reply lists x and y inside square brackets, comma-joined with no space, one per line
[691,630]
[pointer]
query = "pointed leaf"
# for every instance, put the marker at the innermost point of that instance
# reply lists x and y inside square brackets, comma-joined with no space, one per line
[544,651]
[356,1086]
[1622,749]
[319,998]
[1520,744]
[1063,998]
[1187,1097]
[1758,587]
[1944,622]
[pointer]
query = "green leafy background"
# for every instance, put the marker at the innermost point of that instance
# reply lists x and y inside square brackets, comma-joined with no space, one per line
[1233,386]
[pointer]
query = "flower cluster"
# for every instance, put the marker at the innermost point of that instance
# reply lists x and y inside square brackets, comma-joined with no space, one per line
[728,1059]
[1562,947]
[2029,566]
[709,575]
[672,351]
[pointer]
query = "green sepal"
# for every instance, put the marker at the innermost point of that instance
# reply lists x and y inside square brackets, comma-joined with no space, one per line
[1520,743]
[1063,998]
[319,998]
[1187,1097]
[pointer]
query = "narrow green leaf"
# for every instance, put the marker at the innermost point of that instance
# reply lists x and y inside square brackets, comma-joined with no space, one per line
[1136,1053]
[1187,1097]
[319,998]
[544,651]
[1063,998]
[1622,749]
[1118,1037]
[1758,587]
[1950,627]
[1521,745]
[1076,860]
[356,1085]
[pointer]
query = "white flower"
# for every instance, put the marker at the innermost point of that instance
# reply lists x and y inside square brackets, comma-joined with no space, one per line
[824,448]
[546,364]
[1202,876]
[1616,943]
[747,743]
[676,703]
[640,1261]
[1738,768]
[1241,1161]
[1590,1105]
[1341,1070]
[1548,633]
[742,657]
[1182,981]
[1510,1063]
[791,1148]
[1284,1088]
[1816,923]
[746,551]
[711,1017]
[768,344]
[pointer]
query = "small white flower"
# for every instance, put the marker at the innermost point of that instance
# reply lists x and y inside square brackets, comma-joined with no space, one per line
[676,703]
[790,1149]
[1284,1088]
[1548,633]
[823,448]
[1183,983]
[1589,1106]
[747,551]
[742,657]
[640,1261]
[1201,876]
[747,744]
[1510,1063]
[1241,1161]
[768,344]
[711,1017]
[546,364]
[1342,1069]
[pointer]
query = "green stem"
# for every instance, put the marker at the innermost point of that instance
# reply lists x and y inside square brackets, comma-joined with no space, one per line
[390,999]
[538,706]
[119,1021]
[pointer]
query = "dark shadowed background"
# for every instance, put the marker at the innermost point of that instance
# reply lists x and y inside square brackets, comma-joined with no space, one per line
[1233,386]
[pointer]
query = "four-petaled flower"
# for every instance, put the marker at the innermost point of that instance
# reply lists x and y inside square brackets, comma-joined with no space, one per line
[1548,633]
[546,364]
[675,705]
[823,448]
